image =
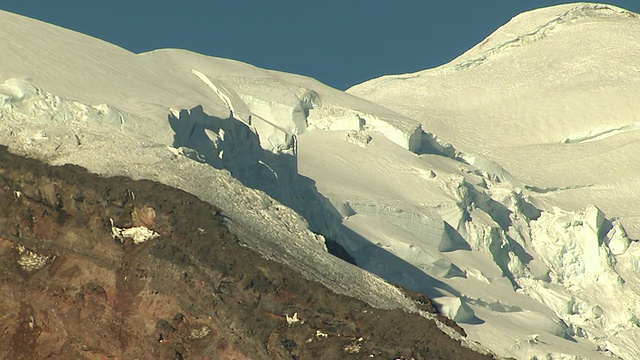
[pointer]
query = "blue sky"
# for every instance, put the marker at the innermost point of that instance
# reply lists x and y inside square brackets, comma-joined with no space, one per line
[339,42]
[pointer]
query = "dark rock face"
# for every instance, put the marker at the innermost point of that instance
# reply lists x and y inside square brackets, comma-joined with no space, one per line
[70,290]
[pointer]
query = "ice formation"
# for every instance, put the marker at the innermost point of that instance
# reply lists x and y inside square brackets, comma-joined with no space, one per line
[509,229]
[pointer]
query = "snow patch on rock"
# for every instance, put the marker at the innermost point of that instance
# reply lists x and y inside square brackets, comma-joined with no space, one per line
[138,234]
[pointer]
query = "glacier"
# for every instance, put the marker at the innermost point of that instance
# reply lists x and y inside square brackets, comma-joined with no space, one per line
[457,182]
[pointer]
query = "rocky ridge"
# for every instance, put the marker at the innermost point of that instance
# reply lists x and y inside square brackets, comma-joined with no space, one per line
[75,287]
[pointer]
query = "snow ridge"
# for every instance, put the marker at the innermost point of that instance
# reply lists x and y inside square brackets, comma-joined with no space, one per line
[574,15]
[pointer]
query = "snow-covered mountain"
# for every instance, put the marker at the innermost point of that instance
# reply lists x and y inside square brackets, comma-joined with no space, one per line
[501,185]
[552,98]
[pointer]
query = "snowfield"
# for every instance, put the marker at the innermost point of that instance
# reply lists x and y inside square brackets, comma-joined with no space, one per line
[503,185]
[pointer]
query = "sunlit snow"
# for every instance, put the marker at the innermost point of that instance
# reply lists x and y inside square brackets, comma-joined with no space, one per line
[503,185]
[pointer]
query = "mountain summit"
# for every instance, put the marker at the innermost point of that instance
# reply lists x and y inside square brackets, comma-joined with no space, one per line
[501,186]
[550,96]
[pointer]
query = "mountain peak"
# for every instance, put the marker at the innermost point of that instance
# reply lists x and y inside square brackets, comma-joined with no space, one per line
[535,25]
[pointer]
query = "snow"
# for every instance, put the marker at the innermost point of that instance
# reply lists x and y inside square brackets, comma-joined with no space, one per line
[69,98]
[544,96]
[548,102]
[502,185]
[138,234]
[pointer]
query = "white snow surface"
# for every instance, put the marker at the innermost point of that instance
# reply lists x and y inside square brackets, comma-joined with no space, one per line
[502,185]
[552,98]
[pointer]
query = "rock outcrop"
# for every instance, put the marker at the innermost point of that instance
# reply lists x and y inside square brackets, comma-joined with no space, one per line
[73,287]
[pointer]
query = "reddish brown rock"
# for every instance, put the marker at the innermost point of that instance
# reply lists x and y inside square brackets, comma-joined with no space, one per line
[75,292]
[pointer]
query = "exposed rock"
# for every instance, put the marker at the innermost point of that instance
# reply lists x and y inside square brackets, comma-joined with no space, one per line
[70,290]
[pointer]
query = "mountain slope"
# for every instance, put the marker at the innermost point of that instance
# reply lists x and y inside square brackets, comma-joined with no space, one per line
[73,289]
[551,98]
[295,165]
[66,98]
